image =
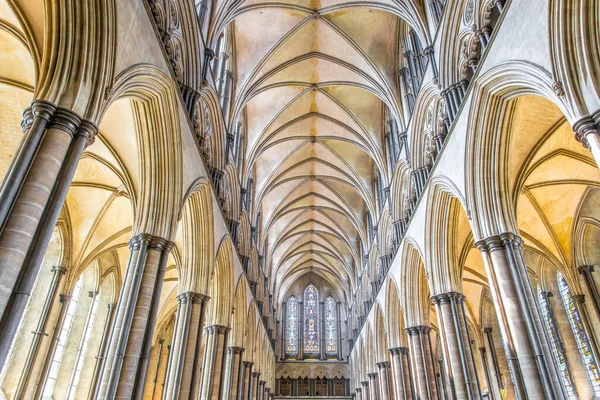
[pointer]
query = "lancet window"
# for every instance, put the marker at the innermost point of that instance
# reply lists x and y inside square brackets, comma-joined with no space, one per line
[591,366]
[292,326]
[331,333]
[311,320]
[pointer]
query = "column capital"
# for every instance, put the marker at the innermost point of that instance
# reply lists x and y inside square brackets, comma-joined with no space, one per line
[191,297]
[93,293]
[88,130]
[418,330]
[151,241]
[578,298]
[584,127]
[255,374]
[372,375]
[218,329]
[209,53]
[499,241]
[488,329]
[65,120]
[235,350]
[383,365]
[585,268]
[43,109]
[110,306]
[59,269]
[27,119]
[444,298]
[248,364]
[64,298]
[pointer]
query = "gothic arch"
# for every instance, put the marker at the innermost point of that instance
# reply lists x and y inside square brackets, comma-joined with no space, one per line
[447,229]
[197,227]
[215,142]
[240,317]
[416,303]
[493,90]
[574,42]
[158,139]
[394,317]
[221,286]
[381,336]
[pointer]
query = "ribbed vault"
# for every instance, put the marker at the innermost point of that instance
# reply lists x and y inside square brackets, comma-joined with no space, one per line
[314,93]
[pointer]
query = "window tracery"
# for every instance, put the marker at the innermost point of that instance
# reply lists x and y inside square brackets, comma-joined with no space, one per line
[62,339]
[331,332]
[311,319]
[556,345]
[581,338]
[292,327]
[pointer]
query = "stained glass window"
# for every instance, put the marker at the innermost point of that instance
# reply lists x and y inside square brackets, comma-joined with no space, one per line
[556,343]
[580,336]
[62,339]
[292,326]
[87,333]
[330,325]
[311,319]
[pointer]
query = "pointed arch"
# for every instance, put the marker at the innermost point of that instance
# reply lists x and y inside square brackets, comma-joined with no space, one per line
[197,226]
[221,286]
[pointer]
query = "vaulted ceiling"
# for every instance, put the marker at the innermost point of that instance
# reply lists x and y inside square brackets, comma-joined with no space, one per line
[314,81]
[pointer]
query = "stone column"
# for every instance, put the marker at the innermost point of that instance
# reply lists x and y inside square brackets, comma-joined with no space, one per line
[212,370]
[40,331]
[300,330]
[253,384]
[294,387]
[463,383]
[527,351]
[261,390]
[359,394]
[401,373]
[31,198]
[486,370]
[374,392]
[101,357]
[284,314]
[338,309]
[422,361]
[586,133]
[365,390]
[233,370]
[185,340]
[166,371]
[161,343]
[322,352]
[246,381]
[497,372]
[586,272]
[196,369]
[125,371]
[385,387]
[64,300]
